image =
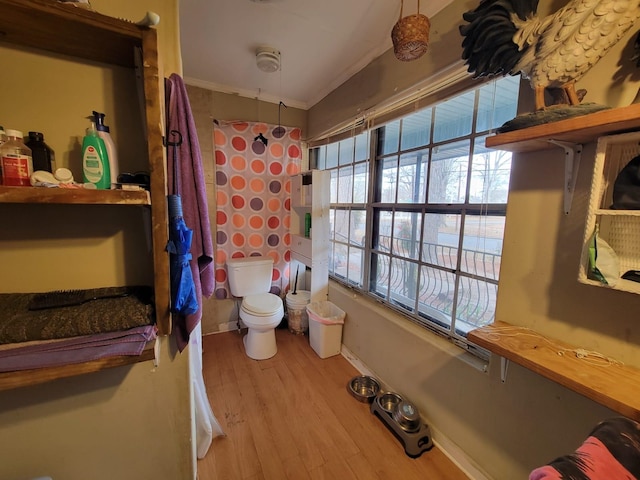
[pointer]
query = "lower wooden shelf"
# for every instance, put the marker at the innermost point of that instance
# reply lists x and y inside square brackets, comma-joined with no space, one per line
[611,384]
[24,378]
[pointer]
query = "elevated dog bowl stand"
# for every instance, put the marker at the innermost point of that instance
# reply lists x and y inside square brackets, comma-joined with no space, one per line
[415,442]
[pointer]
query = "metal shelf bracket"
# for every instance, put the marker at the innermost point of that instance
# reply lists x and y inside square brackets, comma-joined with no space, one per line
[504,366]
[572,157]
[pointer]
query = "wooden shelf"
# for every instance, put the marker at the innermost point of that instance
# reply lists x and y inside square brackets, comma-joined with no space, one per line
[580,130]
[77,196]
[65,29]
[613,385]
[24,378]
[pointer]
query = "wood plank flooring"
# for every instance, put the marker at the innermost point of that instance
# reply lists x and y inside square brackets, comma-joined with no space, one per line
[291,417]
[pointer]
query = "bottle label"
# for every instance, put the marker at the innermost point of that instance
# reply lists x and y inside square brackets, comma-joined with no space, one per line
[16,170]
[93,170]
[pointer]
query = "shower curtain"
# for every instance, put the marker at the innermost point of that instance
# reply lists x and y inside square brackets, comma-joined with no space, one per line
[254,164]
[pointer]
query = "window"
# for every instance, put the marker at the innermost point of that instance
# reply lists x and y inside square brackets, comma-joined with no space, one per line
[418,207]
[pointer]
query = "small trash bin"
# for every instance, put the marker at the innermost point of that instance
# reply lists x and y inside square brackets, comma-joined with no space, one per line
[297,318]
[325,328]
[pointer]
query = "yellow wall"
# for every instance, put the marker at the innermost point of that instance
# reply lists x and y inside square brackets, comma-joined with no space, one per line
[507,429]
[125,423]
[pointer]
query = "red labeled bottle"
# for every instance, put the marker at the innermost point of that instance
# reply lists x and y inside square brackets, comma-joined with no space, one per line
[16,161]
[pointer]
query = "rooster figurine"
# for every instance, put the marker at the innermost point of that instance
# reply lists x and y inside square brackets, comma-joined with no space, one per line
[507,37]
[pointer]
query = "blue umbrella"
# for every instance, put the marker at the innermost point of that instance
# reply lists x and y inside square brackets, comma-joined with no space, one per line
[183,294]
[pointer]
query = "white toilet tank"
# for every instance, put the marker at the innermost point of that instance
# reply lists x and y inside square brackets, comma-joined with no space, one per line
[249,275]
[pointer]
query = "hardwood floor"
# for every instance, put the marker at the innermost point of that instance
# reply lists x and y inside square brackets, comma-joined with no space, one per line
[291,417]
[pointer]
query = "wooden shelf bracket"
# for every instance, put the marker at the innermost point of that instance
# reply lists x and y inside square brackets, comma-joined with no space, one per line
[572,157]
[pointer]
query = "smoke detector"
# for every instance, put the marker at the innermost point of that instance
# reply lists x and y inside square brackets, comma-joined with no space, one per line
[268,59]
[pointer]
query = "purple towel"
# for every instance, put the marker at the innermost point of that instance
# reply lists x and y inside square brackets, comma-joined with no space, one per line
[76,349]
[192,190]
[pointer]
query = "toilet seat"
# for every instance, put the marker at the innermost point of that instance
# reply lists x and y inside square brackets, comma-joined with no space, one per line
[262,304]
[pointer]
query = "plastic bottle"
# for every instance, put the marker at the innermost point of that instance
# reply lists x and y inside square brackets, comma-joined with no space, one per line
[44,158]
[105,135]
[95,162]
[15,160]
[307,225]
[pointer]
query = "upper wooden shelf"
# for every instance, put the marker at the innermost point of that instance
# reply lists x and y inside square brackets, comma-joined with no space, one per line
[73,196]
[581,130]
[613,385]
[65,29]
[24,378]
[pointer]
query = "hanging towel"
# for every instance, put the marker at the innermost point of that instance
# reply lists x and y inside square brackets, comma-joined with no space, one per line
[194,200]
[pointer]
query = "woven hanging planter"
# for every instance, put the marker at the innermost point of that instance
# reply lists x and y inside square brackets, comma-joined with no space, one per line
[410,35]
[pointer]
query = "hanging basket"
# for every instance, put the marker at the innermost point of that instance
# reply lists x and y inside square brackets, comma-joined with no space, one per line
[410,35]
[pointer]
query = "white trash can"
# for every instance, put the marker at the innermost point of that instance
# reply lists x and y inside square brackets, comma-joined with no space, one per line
[298,320]
[325,328]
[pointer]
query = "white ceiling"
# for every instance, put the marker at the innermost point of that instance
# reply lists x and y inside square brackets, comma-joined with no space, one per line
[322,43]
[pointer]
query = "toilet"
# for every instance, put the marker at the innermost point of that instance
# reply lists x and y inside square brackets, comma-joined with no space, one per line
[261,311]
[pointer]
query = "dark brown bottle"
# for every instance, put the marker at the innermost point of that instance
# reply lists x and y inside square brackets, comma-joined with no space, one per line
[43,156]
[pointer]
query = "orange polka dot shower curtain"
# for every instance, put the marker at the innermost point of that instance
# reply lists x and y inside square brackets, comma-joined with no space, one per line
[254,164]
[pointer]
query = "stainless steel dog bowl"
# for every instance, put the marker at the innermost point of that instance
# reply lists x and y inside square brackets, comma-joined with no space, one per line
[388,401]
[407,416]
[363,388]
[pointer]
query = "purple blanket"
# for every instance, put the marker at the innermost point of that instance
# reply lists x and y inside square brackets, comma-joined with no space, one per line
[76,349]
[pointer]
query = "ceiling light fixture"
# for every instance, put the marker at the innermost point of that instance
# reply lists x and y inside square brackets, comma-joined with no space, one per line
[268,59]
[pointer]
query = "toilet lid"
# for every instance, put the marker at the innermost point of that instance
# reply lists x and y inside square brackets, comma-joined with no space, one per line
[262,303]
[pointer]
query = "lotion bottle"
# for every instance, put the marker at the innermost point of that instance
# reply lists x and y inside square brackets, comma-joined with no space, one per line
[105,135]
[95,161]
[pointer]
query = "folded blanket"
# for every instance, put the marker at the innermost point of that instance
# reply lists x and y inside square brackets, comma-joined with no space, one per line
[19,324]
[611,452]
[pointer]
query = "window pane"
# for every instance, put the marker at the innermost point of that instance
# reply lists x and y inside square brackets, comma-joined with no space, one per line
[490,174]
[482,245]
[454,117]
[389,180]
[406,234]
[476,305]
[321,157]
[332,223]
[440,239]
[383,241]
[339,260]
[345,184]
[403,281]
[435,298]
[448,174]
[497,103]
[346,151]
[416,129]
[357,227]
[332,155]
[342,226]
[388,138]
[412,175]
[360,182]
[380,275]
[333,188]
[362,146]
[356,259]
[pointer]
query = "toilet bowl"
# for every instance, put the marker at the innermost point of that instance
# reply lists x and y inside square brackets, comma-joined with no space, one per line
[260,311]
[261,314]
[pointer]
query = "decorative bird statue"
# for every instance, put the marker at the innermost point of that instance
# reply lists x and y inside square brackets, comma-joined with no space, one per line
[507,37]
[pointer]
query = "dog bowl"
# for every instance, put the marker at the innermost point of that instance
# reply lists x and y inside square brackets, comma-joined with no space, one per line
[388,401]
[363,388]
[407,416]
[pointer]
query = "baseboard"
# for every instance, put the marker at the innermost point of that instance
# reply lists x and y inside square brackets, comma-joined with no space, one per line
[446,446]
[225,327]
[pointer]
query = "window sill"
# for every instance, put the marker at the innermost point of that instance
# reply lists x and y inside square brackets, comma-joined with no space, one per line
[615,386]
